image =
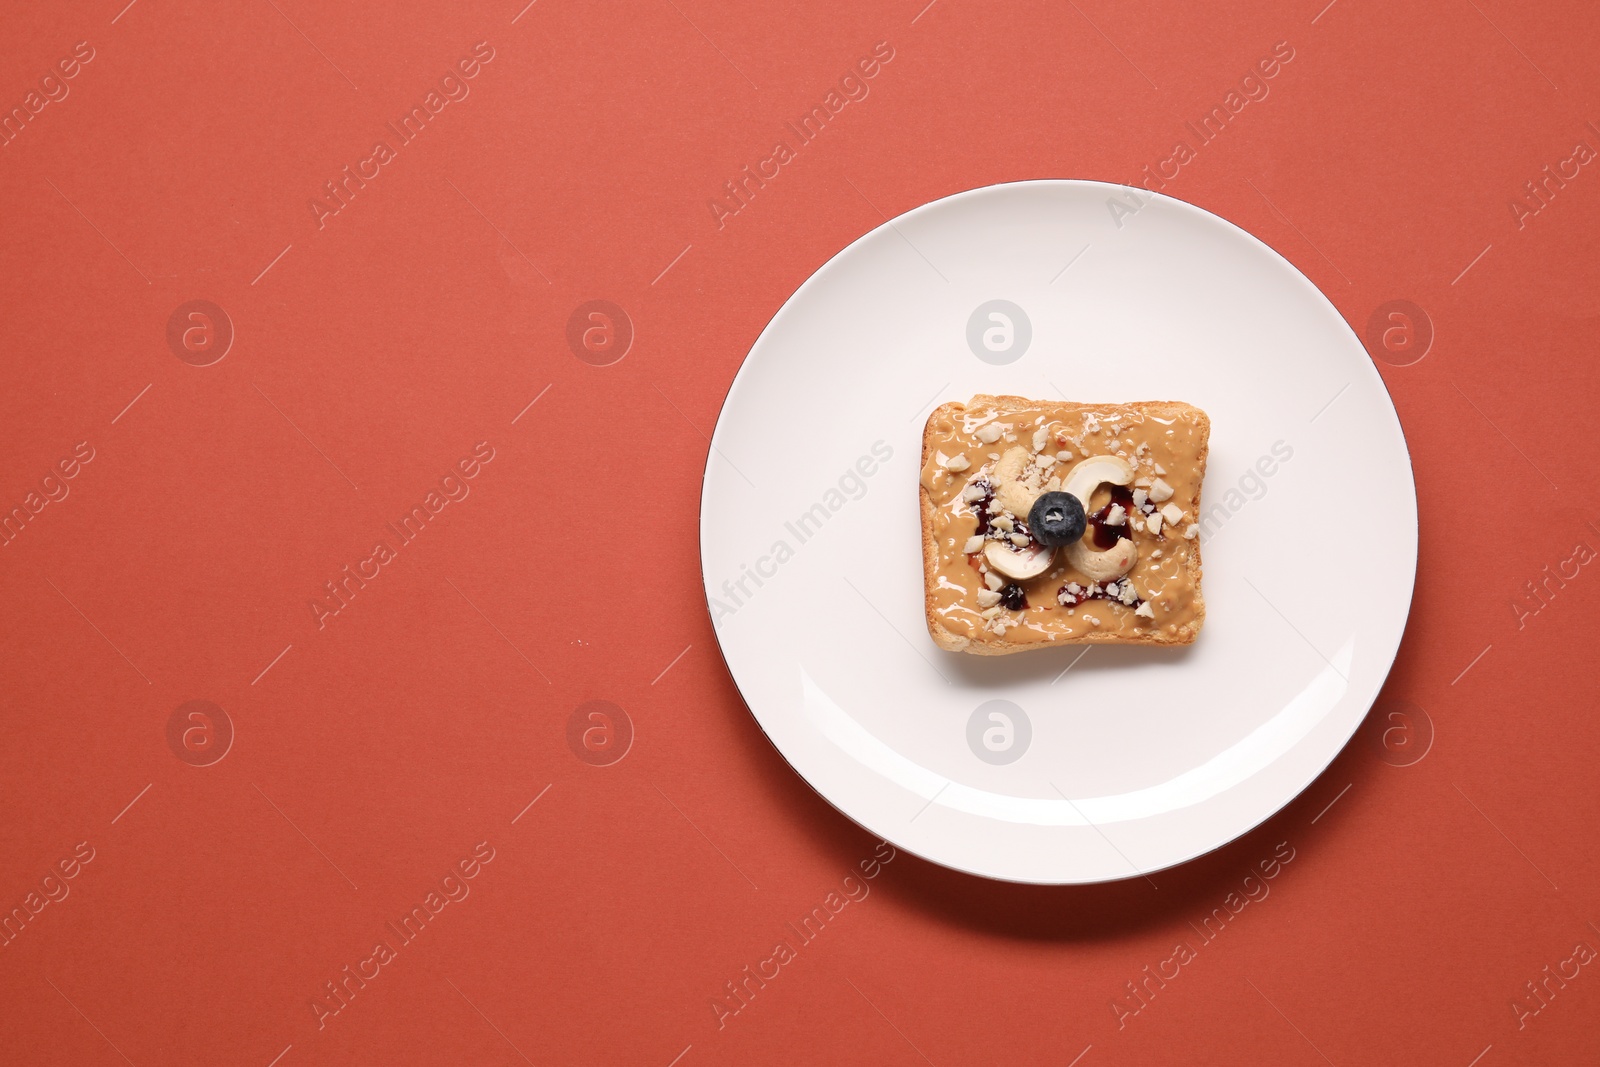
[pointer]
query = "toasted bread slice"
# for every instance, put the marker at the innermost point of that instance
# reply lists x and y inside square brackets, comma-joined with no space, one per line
[984,461]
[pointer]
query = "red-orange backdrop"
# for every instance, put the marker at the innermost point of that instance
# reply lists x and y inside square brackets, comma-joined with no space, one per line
[232,366]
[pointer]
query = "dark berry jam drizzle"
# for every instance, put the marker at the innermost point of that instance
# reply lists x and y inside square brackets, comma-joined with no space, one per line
[1102,533]
[980,507]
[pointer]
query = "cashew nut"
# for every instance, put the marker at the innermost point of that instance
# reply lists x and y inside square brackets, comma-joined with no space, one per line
[1087,476]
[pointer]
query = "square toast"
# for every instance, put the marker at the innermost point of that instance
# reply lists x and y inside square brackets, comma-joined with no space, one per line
[1133,578]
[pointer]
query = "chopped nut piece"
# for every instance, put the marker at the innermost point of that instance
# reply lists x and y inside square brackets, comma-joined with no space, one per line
[1003,522]
[1154,522]
[1160,469]
[988,598]
[994,581]
[991,612]
[1139,498]
[1172,513]
[1040,436]
[1020,540]
[1145,610]
[972,493]
[989,434]
[1191,531]
[1160,490]
[1116,516]
[974,544]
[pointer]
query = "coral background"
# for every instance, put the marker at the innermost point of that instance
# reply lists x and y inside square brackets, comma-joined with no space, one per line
[1443,861]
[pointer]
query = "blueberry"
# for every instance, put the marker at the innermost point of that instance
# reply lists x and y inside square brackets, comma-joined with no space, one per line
[1056,519]
[1013,597]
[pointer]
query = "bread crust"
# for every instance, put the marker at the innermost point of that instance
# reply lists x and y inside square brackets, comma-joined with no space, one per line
[990,645]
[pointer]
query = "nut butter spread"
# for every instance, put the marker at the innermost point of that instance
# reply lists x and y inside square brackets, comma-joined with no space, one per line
[983,466]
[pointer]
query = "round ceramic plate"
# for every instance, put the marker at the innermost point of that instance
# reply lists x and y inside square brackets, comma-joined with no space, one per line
[1079,763]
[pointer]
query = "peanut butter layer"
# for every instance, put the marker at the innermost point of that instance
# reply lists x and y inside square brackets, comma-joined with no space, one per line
[1157,601]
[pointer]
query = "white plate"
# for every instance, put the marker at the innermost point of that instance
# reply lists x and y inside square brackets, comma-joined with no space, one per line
[1134,759]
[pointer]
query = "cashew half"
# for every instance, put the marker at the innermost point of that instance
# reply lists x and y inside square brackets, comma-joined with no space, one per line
[1009,489]
[1018,564]
[1087,476]
[1104,566]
